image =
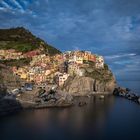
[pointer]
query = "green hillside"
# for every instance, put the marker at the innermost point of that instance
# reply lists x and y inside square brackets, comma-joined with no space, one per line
[23,40]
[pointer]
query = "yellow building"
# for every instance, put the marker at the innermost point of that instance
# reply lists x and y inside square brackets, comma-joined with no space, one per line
[86,57]
[99,62]
[72,69]
[79,60]
[31,77]
[47,72]
[23,76]
[2,52]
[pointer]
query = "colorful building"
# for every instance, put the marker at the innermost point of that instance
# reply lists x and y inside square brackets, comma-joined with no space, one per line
[99,62]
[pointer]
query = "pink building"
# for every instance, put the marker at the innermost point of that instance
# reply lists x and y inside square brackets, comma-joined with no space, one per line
[14,69]
[92,58]
[31,53]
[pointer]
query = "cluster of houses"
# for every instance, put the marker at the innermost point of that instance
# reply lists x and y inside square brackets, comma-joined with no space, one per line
[81,57]
[53,69]
[12,54]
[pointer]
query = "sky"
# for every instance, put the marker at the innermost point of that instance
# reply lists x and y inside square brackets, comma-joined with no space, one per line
[106,27]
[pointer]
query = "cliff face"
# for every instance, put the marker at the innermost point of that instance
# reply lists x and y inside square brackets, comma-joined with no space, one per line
[86,85]
[7,79]
[101,81]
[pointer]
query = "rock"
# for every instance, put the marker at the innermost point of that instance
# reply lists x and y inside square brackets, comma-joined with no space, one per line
[126,93]
[110,85]
[2,92]
[8,106]
[89,70]
[82,104]
[79,85]
[85,85]
[101,97]
[139,100]
[60,95]
[57,99]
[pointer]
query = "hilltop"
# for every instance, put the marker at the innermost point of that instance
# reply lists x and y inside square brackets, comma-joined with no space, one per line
[23,40]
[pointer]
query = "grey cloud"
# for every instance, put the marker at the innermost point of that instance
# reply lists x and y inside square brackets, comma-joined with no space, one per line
[119,56]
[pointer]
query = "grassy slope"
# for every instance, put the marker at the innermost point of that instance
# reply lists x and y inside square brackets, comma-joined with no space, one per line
[18,63]
[23,40]
[103,75]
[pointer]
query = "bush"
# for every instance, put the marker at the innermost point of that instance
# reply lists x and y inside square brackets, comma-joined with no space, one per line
[18,63]
[106,67]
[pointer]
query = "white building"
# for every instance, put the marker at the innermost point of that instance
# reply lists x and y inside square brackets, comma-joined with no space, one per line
[62,77]
[99,62]
[76,59]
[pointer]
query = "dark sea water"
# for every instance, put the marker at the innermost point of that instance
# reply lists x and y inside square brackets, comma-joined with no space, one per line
[114,118]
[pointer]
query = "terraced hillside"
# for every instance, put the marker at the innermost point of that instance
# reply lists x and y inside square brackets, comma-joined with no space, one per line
[23,40]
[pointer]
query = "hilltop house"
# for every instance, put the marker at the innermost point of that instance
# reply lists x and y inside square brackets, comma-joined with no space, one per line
[39,78]
[44,68]
[32,53]
[73,68]
[76,59]
[92,58]
[99,62]
[79,60]
[47,72]
[10,54]
[2,52]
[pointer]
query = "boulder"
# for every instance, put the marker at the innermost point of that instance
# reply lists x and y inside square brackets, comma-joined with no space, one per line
[9,106]
[139,100]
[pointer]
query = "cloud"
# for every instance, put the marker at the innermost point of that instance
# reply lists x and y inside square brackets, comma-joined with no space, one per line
[26,2]
[2,8]
[6,5]
[19,6]
[119,56]
[125,66]
[12,6]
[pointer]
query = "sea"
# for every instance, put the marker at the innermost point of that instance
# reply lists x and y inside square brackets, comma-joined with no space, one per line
[113,118]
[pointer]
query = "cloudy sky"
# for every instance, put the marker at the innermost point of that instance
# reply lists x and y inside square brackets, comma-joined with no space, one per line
[107,27]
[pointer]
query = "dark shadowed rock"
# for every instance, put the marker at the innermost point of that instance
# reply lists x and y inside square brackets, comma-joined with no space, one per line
[8,106]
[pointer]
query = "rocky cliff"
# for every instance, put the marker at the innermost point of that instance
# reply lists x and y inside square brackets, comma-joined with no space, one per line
[8,79]
[93,81]
[9,106]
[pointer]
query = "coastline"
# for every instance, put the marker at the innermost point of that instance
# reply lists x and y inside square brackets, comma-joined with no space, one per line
[11,106]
